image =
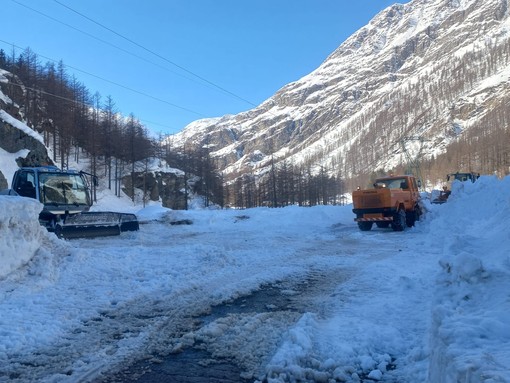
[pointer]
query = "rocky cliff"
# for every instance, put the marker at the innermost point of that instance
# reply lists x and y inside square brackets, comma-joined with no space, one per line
[16,137]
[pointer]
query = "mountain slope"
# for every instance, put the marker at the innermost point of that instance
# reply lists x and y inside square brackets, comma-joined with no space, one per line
[432,70]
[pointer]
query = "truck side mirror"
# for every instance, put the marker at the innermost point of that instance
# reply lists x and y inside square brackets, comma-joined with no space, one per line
[419,183]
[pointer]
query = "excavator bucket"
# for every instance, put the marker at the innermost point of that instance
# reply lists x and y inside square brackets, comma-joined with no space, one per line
[96,224]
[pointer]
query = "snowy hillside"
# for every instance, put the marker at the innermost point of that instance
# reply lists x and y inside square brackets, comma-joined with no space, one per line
[417,70]
[427,305]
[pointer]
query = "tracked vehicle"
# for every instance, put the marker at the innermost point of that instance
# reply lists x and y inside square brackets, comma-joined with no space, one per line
[65,195]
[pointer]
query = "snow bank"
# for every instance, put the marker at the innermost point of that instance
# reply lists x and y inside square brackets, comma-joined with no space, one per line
[20,232]
[470,338]
[435,311]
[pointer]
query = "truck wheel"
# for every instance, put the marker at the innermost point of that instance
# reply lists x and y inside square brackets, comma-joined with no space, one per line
[59,230]
[410,218]
[365,226]
[413,216]
[399,221]
[418,211]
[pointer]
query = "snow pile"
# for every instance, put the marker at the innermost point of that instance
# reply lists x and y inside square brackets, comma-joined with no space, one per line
[20,232]
[435,311]
[379,316]
[471,325]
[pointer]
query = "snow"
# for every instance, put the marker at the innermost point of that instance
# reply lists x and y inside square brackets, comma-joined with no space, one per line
[427,305]
[406,28]
[8,164]
[3,79]
[21,232]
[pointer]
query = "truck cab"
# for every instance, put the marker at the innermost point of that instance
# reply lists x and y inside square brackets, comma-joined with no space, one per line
[393,201]
[61,192]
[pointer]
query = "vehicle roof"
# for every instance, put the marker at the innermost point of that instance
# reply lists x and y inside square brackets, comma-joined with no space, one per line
[49,169]
[395,177]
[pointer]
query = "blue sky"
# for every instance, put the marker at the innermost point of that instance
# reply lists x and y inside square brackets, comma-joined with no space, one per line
[172,62]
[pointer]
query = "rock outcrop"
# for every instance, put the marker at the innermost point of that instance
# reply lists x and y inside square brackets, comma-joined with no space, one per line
[168,187]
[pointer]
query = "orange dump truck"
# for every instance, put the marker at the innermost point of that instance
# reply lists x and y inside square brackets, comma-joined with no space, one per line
[394,201]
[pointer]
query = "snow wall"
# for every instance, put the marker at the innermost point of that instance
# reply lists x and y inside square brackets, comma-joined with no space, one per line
[20,232]
[470,327]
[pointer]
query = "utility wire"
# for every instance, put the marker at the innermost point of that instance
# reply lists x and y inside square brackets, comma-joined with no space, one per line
[117,84]
[116,47]
[77,102]
[48,94]
[156,54]
[203,80]
[104,41]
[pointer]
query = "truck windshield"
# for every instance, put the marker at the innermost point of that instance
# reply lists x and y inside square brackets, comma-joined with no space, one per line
[396,183]
[62,189]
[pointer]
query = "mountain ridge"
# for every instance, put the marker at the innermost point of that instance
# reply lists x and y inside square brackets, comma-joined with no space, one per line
[415,70]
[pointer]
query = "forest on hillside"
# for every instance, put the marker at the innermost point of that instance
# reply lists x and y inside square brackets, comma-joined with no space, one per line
[454,103]
[79,125]
[70,118]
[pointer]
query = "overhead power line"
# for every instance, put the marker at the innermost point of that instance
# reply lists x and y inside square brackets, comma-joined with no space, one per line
[193,76]
[104,41]
[157,54]
[74,101]
[115,83]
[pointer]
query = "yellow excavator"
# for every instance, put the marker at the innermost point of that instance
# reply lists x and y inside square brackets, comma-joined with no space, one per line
[450,178]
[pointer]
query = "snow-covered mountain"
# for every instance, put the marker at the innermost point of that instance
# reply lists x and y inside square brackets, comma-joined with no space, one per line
[425,73]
